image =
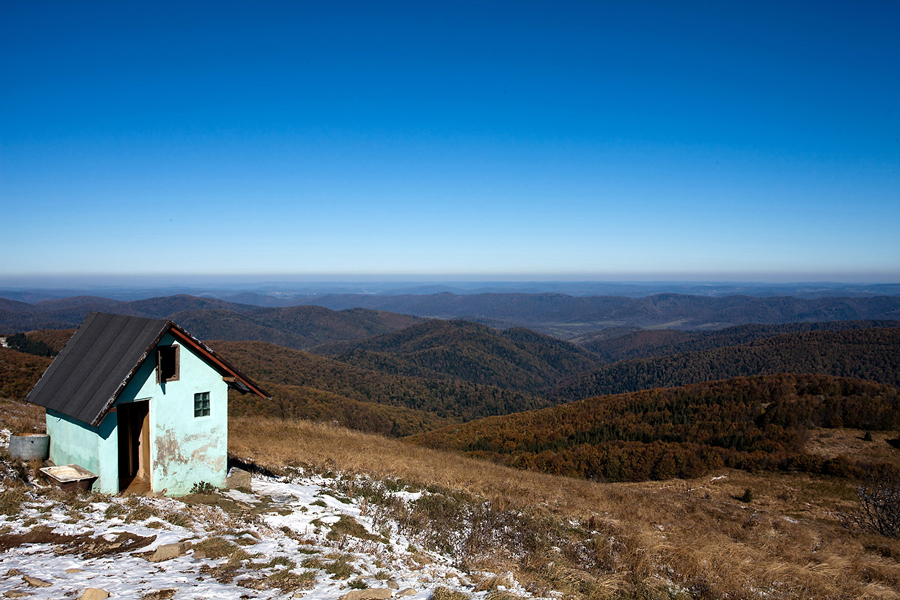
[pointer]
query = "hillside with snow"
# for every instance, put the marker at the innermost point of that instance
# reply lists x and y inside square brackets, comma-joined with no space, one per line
[296,535]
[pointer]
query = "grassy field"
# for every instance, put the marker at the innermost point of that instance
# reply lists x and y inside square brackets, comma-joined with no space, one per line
[677,538]
[651,540]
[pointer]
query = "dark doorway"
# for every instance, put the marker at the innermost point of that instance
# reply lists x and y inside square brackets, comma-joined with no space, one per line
[134,444]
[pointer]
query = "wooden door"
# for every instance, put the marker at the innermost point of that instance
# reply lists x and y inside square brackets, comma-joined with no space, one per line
[134,442]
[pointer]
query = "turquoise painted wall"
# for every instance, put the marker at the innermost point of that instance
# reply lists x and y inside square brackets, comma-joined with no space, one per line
[184,449]
[94,448]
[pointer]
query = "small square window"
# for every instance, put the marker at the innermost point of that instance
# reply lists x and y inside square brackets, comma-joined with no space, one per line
[201,404]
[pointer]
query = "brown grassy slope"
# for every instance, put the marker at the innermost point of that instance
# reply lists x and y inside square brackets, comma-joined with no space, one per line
[302,402]
[694,534]
[21,417]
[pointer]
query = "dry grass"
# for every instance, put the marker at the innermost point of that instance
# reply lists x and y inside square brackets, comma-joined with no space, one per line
[217,547]
[21,417]
[642,540]
[12,495]
[851,442]
[443,593]
[347,525]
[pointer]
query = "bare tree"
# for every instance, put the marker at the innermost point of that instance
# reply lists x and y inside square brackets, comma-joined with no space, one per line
[879,502]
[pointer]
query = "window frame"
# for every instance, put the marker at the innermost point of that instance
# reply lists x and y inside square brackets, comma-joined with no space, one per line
[161,358]
[202,405]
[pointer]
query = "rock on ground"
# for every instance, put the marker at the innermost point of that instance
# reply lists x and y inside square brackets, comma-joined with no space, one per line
[35,582]
[371,594]
[237,479]
[169,551]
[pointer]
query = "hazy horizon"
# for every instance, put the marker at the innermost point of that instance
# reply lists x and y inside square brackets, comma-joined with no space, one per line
[287,283]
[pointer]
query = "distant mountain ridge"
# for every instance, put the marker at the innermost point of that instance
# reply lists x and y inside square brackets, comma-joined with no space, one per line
[539,311]
[285,293]
[555,314]
[207,318]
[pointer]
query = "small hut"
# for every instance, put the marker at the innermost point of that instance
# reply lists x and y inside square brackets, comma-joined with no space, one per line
[141,403]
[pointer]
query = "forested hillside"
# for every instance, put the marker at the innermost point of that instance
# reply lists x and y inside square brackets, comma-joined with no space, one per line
[517,358]
[55,339]
[19,372]
[422,376]
[294,402]
[869,354]
[306,386]
[448,399]
[628,344]
[749,423]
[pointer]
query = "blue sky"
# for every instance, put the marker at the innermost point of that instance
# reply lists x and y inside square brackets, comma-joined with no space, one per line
[707,140]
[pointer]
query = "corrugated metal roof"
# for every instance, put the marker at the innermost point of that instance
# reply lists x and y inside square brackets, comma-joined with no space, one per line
[100,359]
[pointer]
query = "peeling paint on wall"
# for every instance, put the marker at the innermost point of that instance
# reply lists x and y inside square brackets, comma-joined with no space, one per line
[179,455]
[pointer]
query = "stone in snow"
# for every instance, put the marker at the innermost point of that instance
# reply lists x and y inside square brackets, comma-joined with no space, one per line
[169,551]
[237,479]
[370,594]
[35,582]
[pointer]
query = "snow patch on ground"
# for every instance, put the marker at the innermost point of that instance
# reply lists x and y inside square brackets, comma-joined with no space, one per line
[283,528]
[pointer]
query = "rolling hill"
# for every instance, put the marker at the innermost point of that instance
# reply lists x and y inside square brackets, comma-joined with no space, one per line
[869,354]
[446,398]
[307,386]
[516,358]
[55,339]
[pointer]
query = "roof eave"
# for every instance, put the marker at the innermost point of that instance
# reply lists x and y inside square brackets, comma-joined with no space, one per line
[241,382]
